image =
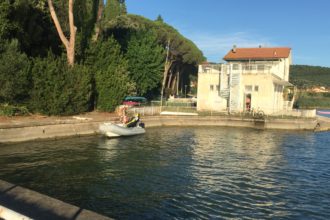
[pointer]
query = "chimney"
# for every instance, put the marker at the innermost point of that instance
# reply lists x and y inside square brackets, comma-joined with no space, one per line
[234,49]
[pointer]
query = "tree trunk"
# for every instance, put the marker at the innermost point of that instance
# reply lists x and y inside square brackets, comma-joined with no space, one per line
[168,65]
[69,44]
[177,82]
[98,21]
[169,80]
[173,85]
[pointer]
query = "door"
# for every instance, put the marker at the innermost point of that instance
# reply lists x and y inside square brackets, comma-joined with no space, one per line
[247,101]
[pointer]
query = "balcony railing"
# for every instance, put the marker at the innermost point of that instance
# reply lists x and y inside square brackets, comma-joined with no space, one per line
[252,68]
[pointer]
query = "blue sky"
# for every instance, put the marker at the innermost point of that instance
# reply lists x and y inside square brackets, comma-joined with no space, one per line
[216,25]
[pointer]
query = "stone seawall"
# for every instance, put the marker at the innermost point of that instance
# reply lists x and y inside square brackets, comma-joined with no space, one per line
[33,131]
[47,131]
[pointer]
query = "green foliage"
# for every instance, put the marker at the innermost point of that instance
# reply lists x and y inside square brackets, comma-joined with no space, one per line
[14,74]
[183,53]
[85,12]
[180,47]
[33,70]
[11,110]
[5,23]
[113,9]
[58,89]
[304,76]
[111,78]
[145,62]
[313,100]
[30,25]
[159,18]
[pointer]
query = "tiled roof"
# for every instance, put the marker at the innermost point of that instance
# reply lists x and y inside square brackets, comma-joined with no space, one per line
[258,53]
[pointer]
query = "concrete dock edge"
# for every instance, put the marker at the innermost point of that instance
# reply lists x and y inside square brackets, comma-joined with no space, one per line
[38,206]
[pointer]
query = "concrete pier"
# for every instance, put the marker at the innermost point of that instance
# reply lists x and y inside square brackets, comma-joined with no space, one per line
[323,124]
[33,130]
[21,203]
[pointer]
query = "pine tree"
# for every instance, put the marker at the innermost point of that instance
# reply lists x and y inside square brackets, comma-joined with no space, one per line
[110,69]
[160,19]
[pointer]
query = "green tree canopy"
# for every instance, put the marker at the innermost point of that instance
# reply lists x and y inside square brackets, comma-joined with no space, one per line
[180,47]
[145,61]
[111,78]
[30,25]
[182,52]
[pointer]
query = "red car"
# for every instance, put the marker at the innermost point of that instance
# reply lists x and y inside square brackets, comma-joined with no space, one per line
[134,101]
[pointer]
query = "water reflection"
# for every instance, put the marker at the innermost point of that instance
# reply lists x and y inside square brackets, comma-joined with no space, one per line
[202,173]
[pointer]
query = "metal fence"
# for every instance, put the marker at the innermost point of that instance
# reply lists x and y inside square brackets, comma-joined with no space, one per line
[258,113]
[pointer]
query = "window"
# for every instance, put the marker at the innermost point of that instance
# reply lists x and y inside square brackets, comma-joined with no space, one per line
[248,88]
[247,67]
[235,66]
[261,67]
[278,88]
[206,69]
[218,87]
[256,88]
[211,87]
[250,67]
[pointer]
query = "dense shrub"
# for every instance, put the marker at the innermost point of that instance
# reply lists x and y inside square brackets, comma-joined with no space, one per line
[14,74]
[11,110]
[58,89]
[111,78]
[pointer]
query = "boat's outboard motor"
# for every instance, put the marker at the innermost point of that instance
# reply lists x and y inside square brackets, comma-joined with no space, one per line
[141,124]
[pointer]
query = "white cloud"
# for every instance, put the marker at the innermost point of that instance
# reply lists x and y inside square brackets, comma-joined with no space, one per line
[216,46]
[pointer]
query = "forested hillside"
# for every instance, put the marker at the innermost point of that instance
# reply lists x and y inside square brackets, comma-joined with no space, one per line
[304,76]
[57,64]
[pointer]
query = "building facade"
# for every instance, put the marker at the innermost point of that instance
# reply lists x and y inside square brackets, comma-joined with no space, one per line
[252,78]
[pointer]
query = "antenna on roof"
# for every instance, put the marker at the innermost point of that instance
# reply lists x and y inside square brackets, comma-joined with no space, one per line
[260,46]
[234,49]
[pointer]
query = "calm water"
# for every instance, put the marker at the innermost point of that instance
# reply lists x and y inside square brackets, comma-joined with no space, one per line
[321,112]
[196,173]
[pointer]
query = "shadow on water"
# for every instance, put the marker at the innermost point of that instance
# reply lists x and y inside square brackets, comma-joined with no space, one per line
[181,172]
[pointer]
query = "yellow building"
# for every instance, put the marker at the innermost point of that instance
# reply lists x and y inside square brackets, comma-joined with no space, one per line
[251,78]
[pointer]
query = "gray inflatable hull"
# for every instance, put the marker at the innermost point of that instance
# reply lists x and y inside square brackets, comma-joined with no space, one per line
[115,130]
